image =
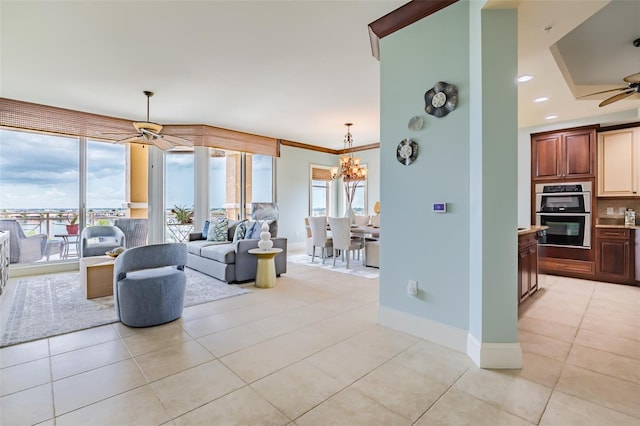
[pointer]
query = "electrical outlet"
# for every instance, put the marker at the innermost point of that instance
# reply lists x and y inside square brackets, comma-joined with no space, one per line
[412,288]
[609,211]
[621,210]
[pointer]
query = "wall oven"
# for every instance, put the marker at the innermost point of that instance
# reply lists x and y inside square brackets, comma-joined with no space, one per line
[566,209]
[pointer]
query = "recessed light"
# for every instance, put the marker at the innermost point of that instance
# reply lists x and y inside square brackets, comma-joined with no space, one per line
[524,78]
[550,117]
[541,99]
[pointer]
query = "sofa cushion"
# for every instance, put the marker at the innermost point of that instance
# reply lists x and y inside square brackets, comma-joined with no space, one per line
[253,230]
[194,247]
[224,253]
[233,225]
[218,229]
[205,229]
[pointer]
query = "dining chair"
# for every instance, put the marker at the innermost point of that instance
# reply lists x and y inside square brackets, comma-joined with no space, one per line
[318,226]
[342,241]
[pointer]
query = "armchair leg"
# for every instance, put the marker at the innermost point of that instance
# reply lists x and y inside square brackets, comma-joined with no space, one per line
[313,253]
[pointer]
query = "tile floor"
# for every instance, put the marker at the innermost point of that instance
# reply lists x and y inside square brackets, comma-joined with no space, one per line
[309,352]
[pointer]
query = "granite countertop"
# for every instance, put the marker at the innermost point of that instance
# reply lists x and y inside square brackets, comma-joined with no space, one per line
[531,229]
[614,223]
[617,226]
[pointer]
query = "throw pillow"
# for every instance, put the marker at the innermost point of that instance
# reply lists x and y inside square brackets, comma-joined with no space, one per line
[205,229]
[241,231]
[253,232]
[218,230]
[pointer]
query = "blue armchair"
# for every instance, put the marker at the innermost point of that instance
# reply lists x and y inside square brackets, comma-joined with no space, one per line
[135,231]
[97,240]
[23,249]
[149,284]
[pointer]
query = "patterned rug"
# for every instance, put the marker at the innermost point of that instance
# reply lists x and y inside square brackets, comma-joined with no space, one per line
[355,265]
[48,305]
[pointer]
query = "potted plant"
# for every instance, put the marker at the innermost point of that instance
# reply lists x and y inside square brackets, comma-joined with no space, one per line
[183,215]
[182,223]
[72,227]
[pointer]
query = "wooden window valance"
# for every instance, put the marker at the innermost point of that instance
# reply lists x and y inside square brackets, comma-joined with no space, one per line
[21,115]
[320,174]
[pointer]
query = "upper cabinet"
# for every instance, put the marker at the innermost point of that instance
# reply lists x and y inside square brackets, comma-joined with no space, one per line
[619,163]
[563,154]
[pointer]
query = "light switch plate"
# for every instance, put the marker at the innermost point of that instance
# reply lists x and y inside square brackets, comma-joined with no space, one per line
[609,211]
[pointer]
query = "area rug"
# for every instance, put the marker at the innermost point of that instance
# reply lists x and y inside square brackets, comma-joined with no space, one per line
[355,266]
[48,305]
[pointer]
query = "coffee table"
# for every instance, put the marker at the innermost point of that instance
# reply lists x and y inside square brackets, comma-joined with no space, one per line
[266,270]
[96,276]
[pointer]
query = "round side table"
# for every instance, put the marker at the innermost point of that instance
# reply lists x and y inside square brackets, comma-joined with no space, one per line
[266,270]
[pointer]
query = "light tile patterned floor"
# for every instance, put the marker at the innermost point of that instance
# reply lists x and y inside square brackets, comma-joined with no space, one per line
[309,352]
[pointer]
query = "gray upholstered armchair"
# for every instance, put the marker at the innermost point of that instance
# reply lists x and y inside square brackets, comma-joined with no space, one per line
[97,240]
[23,249]
[135,231]
[149,284]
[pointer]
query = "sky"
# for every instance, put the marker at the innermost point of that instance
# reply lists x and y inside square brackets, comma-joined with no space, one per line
[39,171]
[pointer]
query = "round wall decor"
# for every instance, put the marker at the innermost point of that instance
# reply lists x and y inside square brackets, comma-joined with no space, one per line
[407,151]
[415,123]
[441,99]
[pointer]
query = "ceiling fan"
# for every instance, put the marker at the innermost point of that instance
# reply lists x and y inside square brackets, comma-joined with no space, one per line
[149,133]
[631,89]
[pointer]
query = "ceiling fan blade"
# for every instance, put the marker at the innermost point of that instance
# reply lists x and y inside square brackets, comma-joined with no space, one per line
[162,144]
[133,139]
[617,97]
[177,140]
[604,91]
[633,78]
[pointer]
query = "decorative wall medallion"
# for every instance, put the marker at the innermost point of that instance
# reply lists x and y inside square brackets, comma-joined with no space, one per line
[407,151]
[441,99]
[416,123]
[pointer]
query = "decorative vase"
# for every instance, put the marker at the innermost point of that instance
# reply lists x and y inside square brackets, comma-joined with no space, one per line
[265,242]
[350,214]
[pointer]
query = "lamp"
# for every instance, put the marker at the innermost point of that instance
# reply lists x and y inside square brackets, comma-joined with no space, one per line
[350,171]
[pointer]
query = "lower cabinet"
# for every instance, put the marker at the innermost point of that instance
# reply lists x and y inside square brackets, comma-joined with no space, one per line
[527,265]
[615,254]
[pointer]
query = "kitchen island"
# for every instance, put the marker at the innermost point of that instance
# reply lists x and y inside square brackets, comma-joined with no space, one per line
[528,260]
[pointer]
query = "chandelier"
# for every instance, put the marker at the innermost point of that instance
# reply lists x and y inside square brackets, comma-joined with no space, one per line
[350,170]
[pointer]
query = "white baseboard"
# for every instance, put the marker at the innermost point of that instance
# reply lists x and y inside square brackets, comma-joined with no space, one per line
[494,355]
[485,355]
[436,332]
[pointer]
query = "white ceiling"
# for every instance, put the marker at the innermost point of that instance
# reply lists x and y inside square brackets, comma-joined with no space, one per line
[293,70]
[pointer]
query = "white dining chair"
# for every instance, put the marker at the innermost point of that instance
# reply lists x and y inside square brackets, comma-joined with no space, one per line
[342,241]
[318,226]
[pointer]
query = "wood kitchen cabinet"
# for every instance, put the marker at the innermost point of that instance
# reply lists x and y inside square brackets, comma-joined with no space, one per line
[619,163]
[563,154]
[615,255]
[527,265]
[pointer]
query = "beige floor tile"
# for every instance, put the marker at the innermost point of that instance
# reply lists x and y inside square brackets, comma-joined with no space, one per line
[554,314]
[540,369]
[518,396]
[562,332]
[209,324]
[298,388]
[85,359]
[138,407]
[619,395]
[151,339]
[628,318]
[28,407]
[92,386]
[610,328]
[625,306]
[82,339]
[402,389]
[50,422]
[260,360]
[340,304]
[234,339]
[346,362]
[459,408]
[189,389]
[617,345]
[567,410]
[172,359]
[542,345]
[242,407]
[24,376]
[351,408]
[605,362]
[383,341]
[291,320]
[444,364]
[303,343]
[343,326]
[24,352]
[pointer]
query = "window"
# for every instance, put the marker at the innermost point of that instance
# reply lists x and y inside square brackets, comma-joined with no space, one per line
[106,182]
[179,188]
[319,198]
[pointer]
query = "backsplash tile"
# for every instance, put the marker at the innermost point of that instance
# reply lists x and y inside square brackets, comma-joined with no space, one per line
[616,203]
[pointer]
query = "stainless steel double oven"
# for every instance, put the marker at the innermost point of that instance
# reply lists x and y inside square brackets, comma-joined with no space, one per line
[566,209]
